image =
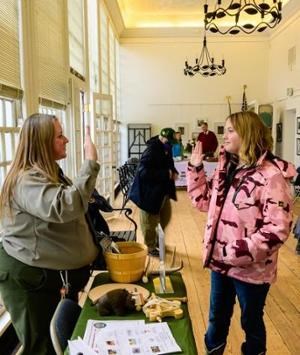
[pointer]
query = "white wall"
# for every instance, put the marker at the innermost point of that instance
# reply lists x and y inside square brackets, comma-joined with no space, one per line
[288,129]
[282,76]
[155,90]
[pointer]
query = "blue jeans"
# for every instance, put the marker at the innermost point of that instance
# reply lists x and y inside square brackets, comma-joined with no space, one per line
[251,298]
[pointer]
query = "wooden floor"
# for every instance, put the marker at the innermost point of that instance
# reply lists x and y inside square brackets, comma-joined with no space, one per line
[283,304]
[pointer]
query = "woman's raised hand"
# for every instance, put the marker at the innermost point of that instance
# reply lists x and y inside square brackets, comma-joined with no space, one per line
[197,155]
[89,147]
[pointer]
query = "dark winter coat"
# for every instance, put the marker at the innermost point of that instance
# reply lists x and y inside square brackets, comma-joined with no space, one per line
[152,180]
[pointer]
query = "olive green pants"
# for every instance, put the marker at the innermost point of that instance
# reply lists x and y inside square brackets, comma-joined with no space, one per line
[149,222]
[30,295]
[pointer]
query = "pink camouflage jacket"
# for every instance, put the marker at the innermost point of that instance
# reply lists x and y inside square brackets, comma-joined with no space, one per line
[245,230]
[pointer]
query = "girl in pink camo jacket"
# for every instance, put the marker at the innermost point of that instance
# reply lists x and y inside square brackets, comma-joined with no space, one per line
[249,206]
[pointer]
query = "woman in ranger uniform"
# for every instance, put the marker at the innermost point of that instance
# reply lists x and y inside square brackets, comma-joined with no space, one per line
[47,247]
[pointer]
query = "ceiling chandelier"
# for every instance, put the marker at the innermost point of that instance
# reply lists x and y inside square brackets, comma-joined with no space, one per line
[247,16]
[205,64]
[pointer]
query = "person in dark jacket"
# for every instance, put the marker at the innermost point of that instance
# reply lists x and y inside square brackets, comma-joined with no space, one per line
[154,186]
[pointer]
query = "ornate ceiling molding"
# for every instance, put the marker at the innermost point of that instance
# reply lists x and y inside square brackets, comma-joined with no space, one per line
[115,14]
[147,33]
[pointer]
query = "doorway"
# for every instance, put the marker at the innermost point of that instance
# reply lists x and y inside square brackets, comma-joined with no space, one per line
[288,135]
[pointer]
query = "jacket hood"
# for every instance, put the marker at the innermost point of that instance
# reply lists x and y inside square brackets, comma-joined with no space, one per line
[156,142]
[153,140]
[287,169]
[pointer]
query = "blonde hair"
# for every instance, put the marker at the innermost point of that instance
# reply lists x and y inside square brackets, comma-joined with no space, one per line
[35,150]
[255,136]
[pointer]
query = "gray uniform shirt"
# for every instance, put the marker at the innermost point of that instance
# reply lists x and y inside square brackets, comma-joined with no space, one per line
[48,227]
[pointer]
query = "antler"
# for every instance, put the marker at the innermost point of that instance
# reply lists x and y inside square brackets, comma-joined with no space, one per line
[168,271]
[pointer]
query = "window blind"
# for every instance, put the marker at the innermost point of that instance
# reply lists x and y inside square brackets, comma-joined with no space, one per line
[10,92]
[76,35]
[104,51]
[93,44]
[49,35]
[9,44]
[52,104]
[118,88]
[112,72]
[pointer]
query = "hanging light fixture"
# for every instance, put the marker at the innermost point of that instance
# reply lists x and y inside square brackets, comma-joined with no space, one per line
[247,16]
[205,64]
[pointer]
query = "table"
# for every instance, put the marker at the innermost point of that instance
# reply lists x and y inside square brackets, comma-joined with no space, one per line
[180,328]
[209,168]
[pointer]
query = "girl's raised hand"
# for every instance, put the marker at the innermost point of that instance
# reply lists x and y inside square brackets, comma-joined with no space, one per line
[197,155]
[89,147]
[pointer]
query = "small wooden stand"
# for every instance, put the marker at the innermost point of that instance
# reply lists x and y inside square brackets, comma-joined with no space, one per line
[163,287]
[162,284]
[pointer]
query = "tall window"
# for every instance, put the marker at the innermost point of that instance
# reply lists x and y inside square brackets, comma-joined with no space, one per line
[115,92]
[9,131]
[118,86]
[103,142]
[104,51]
[112,65]
[93,45]
[10,83]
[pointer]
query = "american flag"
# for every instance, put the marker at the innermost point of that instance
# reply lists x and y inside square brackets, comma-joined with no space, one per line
[228,98]
[244,103]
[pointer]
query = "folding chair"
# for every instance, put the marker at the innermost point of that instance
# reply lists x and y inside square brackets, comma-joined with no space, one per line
[126,175]
[62,324]
[296,192]
[99,203]
[296,185]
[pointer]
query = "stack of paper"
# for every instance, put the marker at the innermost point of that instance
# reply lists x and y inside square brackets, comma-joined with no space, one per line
[128,337]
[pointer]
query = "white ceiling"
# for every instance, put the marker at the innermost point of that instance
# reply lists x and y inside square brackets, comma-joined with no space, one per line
[168,13]
[161,13]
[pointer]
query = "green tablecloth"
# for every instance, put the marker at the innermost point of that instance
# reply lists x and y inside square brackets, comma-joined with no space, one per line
[181,328]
